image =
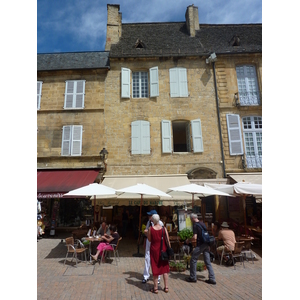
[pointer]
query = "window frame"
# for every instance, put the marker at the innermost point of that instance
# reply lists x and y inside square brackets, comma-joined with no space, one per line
[152,83]
[247,84]
[253,139]
[140,84]
[71,145]
[74,96]
[178,82]
[193,134]
[140,137]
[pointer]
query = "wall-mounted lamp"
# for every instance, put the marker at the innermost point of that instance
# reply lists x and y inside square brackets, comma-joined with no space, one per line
[103,156]
[211,58]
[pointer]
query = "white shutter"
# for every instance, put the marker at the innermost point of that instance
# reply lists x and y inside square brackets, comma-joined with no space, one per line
[234,134]
[166,136]
[183,88]
[197,136]
[39,93]
[145,137]
[69,94]
[80,90]
[125,83]
[136,137]
[76,140]
[154,83]
[174,83]
[66,141]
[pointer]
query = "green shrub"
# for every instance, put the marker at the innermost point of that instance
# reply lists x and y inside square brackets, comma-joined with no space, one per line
[185,233]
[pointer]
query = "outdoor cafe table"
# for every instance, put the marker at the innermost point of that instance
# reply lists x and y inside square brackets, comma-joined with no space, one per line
[92,239]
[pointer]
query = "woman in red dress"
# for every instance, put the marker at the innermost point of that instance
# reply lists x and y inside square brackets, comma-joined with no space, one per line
[158,266]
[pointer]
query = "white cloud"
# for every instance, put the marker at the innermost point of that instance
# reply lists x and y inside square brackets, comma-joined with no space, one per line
[78,24]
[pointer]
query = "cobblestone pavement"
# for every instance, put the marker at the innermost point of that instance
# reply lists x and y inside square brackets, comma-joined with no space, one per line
[108,281]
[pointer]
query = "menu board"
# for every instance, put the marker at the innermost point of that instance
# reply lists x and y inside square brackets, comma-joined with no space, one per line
[184,220]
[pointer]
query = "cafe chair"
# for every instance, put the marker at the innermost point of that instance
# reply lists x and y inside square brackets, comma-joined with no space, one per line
[247,250]
[75,249]
[237,252]
[115,251]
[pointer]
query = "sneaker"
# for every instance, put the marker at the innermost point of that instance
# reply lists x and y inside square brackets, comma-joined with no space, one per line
[209,281]
[145,280]
[189,279]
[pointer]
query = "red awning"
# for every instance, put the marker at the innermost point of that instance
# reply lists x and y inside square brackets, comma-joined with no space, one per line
[55,183]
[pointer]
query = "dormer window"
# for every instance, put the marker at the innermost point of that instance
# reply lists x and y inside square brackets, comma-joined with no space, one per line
[139,44]
[235,41]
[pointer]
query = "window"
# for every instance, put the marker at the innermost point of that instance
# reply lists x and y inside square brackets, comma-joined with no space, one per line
[252,127]
[71,140]
[178,82]
[140,83]
[74,94]
[247,85]
[39,93]
[140,137]
[181,141]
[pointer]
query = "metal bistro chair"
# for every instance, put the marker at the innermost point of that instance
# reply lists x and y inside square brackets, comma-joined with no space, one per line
[247,250]
[75,249]
[115,251]
[237,252]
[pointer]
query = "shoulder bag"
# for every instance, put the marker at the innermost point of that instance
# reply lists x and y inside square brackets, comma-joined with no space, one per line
[169,253]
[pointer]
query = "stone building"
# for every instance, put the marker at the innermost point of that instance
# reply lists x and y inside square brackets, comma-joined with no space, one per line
[171,98]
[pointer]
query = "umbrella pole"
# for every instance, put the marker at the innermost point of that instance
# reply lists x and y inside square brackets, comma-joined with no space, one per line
[94,209]
[245,217]
[140,221]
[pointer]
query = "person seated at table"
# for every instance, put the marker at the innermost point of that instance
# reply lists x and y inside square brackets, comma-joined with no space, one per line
[108,241]
[228,238]
[216,229]
[103,229]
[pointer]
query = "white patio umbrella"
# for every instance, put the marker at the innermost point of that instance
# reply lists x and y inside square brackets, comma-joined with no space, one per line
[93,189]
[195,189]
[142,189]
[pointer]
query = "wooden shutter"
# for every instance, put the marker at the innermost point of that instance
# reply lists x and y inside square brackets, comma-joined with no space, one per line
[197,136]
[69,94]
[66,141]
[136,137]
[76,140]
[174,83]
[166,140]
[39,93]
[79,96]
[183,88]
[125,83]
[234,134]
[145,137]
[154,83]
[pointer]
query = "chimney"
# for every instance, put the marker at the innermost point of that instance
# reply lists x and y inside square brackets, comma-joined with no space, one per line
[192,19]
[114,25]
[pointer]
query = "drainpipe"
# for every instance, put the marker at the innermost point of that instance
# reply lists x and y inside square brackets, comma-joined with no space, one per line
[219,121]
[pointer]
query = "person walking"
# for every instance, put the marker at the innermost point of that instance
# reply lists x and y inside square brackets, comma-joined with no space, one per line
[158,266]
[200,248]
[146,274]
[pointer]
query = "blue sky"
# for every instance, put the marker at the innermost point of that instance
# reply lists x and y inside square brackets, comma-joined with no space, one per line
[77,25]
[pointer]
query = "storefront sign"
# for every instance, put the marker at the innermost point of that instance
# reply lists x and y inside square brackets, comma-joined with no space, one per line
[49,195]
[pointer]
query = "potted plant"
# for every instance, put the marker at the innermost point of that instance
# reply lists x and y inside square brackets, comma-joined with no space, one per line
[177,266]
[201,266]
[185,233]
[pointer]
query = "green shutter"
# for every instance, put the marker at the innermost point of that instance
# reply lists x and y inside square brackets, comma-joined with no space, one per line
[154,82]
[197,136]
[125,83]
[166,139]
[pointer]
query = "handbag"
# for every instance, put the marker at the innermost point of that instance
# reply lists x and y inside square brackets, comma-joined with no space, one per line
[165,255]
